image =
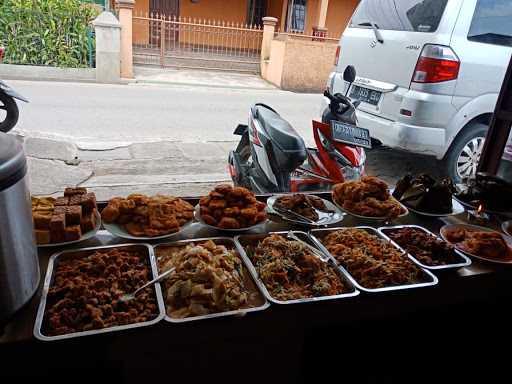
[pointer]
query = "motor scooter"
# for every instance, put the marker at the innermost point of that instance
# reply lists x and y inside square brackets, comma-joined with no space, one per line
[9,112]
[271,157]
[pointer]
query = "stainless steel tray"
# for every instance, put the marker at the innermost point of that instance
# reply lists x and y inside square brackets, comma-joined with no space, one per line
[243,240]
[249,280]
[77,253]
[464,260]
[316,233]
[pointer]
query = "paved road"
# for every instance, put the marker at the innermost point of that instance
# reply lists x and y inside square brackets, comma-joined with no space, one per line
[97,116]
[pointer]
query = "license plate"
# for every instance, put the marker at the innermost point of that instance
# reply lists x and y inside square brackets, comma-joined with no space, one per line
[364,94]
[350,134]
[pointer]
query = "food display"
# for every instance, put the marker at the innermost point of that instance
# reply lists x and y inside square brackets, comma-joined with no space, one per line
[209,278]
[367,197]
[142,215]
[372,261]
[85,292]
[65,218]
[490,191]
[305,205]
[291,271]
[485,244]
[426,194]
[228,207]
[424,247]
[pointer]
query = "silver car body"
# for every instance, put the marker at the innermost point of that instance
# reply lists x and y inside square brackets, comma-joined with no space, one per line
[440,110]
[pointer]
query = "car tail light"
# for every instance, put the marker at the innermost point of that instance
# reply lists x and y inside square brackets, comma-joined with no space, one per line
[436,64]
[337,57]
[2,52]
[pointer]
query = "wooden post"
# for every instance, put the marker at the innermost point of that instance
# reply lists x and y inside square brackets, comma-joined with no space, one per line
[284,12]
[126,19]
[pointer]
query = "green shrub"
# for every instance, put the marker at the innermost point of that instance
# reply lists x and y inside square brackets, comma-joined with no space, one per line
[46,32]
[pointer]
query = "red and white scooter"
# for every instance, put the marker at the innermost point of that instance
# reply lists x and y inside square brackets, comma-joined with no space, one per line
[271,157]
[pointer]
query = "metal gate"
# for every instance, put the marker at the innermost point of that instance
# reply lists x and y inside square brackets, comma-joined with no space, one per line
[170,41]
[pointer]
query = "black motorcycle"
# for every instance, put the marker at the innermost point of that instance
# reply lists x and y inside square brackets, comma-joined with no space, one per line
[9,112]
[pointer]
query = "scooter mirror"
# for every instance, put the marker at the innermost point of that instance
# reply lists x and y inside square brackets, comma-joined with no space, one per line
[349,75]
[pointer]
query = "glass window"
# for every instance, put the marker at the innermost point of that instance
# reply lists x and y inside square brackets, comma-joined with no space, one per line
[400,15]
[297,16]
[256,10]
[492,22]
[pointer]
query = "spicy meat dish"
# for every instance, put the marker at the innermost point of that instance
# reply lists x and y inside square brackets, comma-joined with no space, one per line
[305,205]
[230,207]
[85,292]
[492,192]
[291,271]
[426,194]
[209,278]
[367,197]
[65,218]
[488,244]
[424,247]
[372,261]
[142,215]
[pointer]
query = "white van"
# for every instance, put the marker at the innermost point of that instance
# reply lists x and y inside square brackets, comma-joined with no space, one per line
[429,73]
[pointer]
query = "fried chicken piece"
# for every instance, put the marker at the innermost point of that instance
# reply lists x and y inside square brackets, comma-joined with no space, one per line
[229,223]
[138,199]
[217,204]
[210,220]
[249,213]
[204,201]
[218,213]
[135,229]
[232,212]
[260,206]
[223,189]
[111,212]
[126,206]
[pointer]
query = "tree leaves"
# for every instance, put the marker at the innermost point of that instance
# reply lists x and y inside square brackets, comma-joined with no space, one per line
[47,32]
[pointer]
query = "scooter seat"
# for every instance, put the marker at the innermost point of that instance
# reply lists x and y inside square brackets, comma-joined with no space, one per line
[281,132]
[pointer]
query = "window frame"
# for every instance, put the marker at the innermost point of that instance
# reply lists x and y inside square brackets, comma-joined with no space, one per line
[290,13]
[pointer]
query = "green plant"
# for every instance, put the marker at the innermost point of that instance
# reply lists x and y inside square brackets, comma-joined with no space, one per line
[46,32]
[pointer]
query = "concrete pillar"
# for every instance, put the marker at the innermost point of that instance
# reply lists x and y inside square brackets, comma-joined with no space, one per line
[108,46]
[126,19]
[319,29]
[269,28]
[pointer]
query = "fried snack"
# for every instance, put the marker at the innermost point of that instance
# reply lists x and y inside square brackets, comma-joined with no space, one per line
[367,197]
[64,218]
[231,208]
[428,249]
[208,279]
[142,215]
[372,261]
[290,271]
[85,292]
[304,205]
[487,244]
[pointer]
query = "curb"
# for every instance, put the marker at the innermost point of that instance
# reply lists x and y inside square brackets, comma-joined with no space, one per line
[219,86]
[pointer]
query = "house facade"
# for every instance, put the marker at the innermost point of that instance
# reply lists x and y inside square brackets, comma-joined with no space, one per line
[295,16]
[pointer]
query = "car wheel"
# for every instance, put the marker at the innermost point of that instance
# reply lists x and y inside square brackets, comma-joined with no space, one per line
[464,154]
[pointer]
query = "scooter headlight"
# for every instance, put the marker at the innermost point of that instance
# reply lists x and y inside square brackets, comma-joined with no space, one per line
[352,173]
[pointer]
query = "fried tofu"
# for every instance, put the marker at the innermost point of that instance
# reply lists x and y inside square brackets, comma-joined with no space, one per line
[75,191]
[58,223]
[42,236]
[62,201]
[42,220]
[88,222]
[73,215]
[73,233]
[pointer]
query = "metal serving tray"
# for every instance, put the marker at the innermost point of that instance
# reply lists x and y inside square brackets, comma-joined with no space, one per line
[316,234]
[243,240]
[249,280]
[464,260]
[77,253]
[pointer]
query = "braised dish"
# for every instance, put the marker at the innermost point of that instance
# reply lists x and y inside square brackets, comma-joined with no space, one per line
[372,261]
[424,247]
[305,205]
[492,192]
[425,194]
[141,215]
[209,278]
[291,271]
[367,197]
[228,207]
[85,292]
[480,243]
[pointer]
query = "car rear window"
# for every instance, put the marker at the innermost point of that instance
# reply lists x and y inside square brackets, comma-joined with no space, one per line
[492,22]
[400,15]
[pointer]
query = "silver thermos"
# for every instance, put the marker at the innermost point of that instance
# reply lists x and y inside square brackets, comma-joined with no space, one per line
[19,266]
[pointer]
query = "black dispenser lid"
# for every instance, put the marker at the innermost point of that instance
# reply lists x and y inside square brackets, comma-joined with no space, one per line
[13,164]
